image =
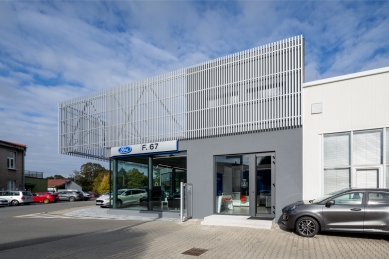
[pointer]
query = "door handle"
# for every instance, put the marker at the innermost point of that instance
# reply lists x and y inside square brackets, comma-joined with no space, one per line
[355,209]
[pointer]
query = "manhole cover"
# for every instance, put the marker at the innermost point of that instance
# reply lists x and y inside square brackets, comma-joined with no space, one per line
[195,251]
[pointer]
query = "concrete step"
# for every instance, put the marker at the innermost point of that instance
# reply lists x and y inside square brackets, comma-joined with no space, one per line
[236,221]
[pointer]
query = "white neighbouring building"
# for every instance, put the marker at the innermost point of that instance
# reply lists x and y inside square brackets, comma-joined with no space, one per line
[346,132]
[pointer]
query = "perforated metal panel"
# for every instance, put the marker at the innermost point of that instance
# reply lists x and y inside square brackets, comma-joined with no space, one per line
[250,91]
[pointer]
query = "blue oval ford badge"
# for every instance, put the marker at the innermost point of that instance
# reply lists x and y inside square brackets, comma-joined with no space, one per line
[125,150]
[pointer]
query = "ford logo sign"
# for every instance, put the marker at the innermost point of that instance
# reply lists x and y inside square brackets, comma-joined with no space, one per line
[125,150]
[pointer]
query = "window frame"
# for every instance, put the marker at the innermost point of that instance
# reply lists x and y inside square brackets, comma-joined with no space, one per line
[11,160]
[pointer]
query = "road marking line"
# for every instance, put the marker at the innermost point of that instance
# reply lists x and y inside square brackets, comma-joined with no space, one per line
[28,214]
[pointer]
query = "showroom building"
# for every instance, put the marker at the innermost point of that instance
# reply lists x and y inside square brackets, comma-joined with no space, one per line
[231,127]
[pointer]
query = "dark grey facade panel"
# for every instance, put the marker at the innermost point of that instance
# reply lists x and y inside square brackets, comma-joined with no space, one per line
[287,145]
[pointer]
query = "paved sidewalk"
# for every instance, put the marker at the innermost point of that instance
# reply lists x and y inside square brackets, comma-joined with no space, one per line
[164,239]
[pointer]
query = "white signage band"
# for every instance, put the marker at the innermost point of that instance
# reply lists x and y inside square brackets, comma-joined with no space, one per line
[147,148]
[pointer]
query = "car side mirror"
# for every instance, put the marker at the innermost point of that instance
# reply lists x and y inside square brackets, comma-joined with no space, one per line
[330,203]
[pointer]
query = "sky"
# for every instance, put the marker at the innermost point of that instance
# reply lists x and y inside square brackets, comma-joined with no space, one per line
[52,51]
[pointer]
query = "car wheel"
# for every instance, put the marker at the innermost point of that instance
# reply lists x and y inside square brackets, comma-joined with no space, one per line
[14,203]
[45,201]
[72,199]
[307,227]
[119,203]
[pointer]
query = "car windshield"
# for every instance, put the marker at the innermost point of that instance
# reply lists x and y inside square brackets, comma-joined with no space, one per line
[320,199]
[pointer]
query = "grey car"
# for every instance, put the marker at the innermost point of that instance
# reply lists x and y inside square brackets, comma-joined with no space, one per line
[348,210]
[70,195]
[3,202]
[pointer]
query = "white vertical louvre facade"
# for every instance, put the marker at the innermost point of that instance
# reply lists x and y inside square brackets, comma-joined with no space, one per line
[251,91]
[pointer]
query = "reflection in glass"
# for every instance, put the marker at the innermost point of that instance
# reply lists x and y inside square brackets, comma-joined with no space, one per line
[132,185]
[263,164]
[169,171]
[232,184]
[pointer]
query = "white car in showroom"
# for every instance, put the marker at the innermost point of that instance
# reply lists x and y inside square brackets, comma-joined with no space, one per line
[125,197]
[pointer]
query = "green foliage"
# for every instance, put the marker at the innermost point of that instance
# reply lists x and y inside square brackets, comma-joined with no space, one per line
[87,175]
[56,176]
[157,178]
[136,179]
[103,185]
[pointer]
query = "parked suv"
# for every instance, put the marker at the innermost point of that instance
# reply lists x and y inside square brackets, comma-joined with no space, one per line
[17,197]
[131,196]
[70,195]
[348,210]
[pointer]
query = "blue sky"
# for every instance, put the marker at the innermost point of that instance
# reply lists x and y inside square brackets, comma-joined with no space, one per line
[51,51]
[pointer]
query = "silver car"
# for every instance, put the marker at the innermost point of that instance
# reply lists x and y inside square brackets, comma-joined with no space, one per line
[3,202]
[348,210]
[17,197]
[104,200]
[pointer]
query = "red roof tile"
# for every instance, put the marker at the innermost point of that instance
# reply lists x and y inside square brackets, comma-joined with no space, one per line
[56,182]
[14,143]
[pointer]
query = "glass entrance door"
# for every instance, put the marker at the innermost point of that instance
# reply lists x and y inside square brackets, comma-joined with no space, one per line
[245,184]
[265,186]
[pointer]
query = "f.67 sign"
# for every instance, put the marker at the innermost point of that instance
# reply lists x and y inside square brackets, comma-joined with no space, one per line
[147,148]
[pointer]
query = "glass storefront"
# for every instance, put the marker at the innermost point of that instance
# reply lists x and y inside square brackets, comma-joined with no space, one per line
[245,184]
[232,184]
[136,191]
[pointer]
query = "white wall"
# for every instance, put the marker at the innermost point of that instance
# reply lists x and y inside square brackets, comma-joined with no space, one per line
[352,102]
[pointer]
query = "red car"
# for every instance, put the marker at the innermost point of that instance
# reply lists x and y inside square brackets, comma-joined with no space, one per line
[45,197]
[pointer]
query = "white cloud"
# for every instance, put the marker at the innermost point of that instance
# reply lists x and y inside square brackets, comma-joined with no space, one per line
[54,52]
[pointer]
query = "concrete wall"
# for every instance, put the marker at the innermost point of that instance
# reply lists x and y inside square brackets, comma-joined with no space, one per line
[287,144]
[352,102]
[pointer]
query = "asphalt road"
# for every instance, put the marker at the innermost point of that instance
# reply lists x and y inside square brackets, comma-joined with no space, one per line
[67,235]
[11,211]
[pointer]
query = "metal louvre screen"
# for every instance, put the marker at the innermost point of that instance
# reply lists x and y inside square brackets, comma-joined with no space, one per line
[82,126]
[250,91]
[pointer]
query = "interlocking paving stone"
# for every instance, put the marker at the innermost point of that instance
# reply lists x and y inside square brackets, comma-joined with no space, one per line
[161,239]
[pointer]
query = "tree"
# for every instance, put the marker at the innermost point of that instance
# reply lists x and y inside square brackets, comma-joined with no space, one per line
[87,174]
[157,178]
[104,184]
[136,179]
[101,183]
[56,176]
[122,175]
